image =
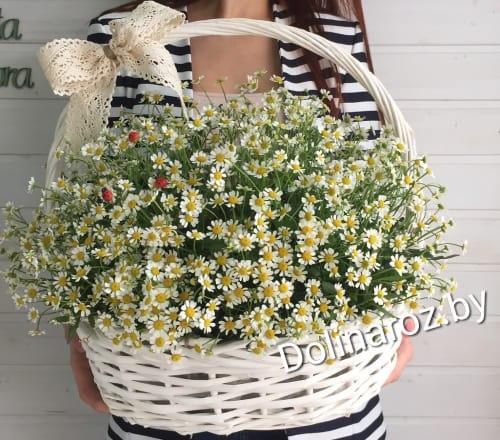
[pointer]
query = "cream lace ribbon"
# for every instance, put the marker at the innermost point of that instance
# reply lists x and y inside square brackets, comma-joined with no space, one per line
[87,71]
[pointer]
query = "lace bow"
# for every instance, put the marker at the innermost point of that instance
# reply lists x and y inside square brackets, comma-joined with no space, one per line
[86,71]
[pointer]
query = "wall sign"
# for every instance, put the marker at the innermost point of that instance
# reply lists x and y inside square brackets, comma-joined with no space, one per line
[9,29]
[17,77]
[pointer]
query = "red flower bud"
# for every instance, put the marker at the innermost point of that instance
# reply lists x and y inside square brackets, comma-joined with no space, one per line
[161,182]
[107,195]
[134,136]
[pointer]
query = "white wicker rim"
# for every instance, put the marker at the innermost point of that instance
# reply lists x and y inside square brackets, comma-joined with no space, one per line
[234,389]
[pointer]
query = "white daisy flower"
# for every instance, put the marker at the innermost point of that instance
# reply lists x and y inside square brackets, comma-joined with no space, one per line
[160,161]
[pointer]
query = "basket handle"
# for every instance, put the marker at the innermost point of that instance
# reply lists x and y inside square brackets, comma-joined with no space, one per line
[315,43]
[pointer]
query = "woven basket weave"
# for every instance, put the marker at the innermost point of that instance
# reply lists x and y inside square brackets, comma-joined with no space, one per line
[234,389]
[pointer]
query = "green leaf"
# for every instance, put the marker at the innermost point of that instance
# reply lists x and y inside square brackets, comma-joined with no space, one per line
[328,287]
[62,319]
[72,330]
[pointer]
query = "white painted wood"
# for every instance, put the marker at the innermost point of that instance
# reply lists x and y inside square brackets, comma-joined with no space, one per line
[452,345]
[15,172]
[22,349]
[480,229]
[19,55]
[446,428]
[432,22]
[473,278]
[39,390]
[43,21]
[35,139]
[471,182]
[424,72]
[53,427]
[455,127]
[444,392]
[444,22]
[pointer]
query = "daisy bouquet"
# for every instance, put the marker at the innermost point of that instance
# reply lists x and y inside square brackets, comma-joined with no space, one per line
[234,225]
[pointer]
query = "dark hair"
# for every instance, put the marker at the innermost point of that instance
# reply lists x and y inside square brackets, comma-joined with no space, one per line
[303,12]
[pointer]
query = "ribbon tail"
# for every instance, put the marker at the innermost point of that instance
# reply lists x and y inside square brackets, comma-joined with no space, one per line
[184,108]
[87,115]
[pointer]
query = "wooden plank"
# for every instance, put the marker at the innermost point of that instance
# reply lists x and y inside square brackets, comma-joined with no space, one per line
[479,228]
[43,21]
[21,56]
[444,127]
[471,181]
[414,79]
[53,427]
[18,348]
[427,392]
[15,172]
[430,22]
[472,279]
[467,21]
[39,390]
[27,125]
[465,343]
[456,428]
[439,72]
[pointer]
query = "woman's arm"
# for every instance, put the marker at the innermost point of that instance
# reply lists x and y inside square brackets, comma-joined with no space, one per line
[87,389]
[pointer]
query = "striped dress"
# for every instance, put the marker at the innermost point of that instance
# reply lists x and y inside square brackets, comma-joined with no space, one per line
[368,423]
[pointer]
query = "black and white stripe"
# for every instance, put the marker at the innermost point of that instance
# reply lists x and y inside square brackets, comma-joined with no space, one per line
[365,424]
[368,423]
[298,77]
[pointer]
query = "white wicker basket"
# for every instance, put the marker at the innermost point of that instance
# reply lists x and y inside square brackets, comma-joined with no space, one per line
[235,389]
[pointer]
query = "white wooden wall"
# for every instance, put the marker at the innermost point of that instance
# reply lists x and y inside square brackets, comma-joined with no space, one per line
[441,61]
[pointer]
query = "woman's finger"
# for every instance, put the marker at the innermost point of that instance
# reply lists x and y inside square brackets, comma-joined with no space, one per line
[77,344]
[409,324]
[404,355]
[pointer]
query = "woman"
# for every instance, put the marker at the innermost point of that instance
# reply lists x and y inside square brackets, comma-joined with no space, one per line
[303,73]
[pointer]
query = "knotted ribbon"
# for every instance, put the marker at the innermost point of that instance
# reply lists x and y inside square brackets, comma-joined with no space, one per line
[87,71]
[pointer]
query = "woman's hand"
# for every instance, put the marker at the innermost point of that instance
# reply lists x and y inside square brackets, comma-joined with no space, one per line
[405,353]
[87,389]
